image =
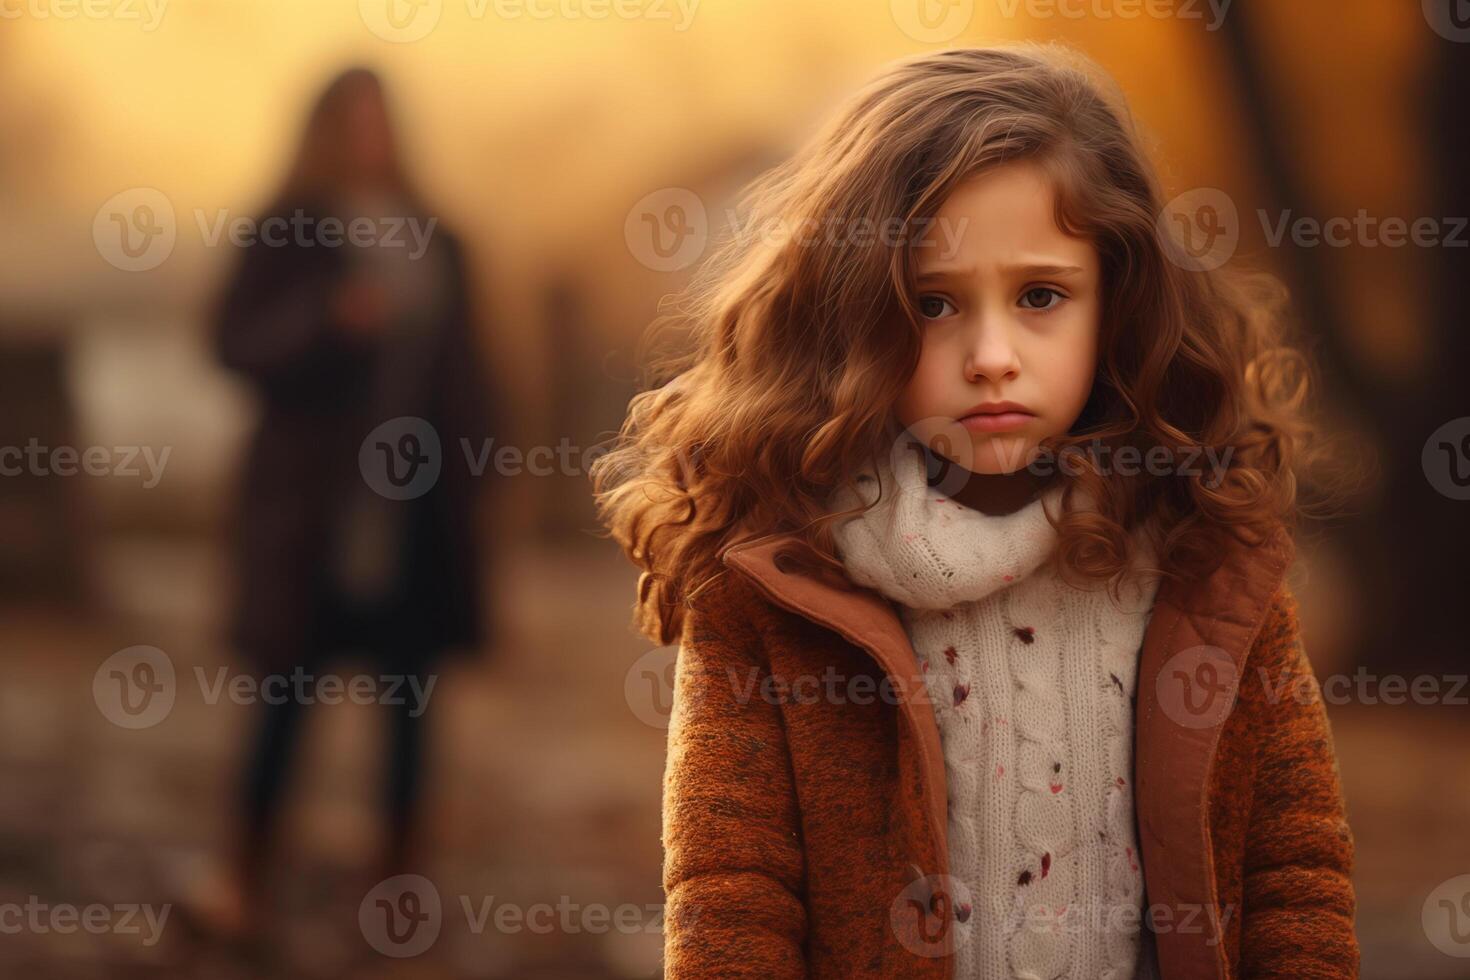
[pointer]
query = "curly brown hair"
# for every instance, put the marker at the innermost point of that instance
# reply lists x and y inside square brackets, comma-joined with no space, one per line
[801,347]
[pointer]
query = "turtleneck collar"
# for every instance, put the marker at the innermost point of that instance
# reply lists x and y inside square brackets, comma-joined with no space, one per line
[925,550]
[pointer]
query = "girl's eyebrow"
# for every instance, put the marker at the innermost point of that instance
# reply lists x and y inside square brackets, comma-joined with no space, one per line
[1025,269]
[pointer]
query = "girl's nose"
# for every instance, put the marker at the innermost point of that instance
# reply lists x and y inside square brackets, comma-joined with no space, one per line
[991,354]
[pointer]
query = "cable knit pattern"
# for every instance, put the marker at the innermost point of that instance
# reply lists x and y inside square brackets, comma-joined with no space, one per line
[1033,683]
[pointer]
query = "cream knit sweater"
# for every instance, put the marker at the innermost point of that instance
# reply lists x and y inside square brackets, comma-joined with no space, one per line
[1032,681]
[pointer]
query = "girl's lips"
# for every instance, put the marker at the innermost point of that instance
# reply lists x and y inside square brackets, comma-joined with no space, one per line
[998,422]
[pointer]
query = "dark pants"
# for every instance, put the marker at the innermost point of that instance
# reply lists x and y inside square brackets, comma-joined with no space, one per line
[379,635]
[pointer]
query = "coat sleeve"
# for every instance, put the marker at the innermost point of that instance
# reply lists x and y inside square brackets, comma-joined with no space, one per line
[1298,898]
[733,873]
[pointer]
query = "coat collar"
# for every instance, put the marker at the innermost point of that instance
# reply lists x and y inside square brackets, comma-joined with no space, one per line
[1201,632]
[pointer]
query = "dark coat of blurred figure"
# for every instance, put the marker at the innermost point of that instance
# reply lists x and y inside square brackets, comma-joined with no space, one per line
[337,340]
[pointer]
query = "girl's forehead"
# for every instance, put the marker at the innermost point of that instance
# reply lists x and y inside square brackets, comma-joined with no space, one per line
[999,219]
[1021,189]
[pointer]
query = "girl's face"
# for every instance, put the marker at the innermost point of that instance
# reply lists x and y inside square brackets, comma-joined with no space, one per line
[1011,311]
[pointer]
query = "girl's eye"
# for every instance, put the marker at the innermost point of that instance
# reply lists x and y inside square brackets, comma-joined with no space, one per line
[933,306]
[1041,294]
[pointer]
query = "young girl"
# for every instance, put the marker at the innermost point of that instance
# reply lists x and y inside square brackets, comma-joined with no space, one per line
[970,512]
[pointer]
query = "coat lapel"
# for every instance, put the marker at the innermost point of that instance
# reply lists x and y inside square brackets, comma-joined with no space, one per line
[867,619]
[1192,658]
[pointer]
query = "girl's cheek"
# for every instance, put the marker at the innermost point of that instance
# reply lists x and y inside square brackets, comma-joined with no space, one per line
[1080,368]
[921,393]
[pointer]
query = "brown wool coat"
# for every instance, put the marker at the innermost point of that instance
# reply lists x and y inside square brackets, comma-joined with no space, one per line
[804,835]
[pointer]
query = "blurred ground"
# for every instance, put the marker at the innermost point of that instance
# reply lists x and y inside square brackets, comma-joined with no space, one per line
[546,788]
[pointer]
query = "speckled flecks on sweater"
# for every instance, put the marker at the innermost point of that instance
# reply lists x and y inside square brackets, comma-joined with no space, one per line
[1032,682]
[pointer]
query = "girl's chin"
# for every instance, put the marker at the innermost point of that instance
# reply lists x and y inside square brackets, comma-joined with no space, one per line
[984,454]
[1001,456]
[989,465]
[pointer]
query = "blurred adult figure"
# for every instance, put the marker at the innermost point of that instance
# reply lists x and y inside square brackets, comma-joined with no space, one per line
[339,336]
